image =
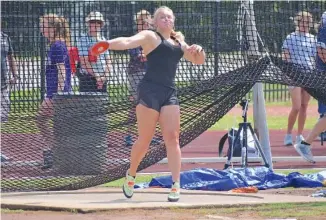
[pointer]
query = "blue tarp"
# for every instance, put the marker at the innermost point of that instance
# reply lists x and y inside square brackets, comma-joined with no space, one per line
[224,180]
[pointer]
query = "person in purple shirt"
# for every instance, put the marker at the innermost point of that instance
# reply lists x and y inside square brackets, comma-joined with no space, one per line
[58,74]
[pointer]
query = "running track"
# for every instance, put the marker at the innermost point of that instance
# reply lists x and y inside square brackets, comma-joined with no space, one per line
[206,145]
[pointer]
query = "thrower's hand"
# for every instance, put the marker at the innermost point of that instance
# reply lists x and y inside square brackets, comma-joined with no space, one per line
[194,53]
[194,49]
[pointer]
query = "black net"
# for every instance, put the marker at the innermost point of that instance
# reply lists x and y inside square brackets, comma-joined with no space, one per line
[80,138]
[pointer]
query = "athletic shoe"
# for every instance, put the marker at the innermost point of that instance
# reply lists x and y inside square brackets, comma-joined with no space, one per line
[174,195]
[305,152]
[288,140]
[128,141]
[298,139]
[128,186]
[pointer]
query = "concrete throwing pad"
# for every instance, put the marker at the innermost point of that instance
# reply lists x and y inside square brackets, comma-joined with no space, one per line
[99,199]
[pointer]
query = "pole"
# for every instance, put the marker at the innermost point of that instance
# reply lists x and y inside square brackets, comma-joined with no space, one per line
[42,57]
[133,12]
[215,34]
[260,122]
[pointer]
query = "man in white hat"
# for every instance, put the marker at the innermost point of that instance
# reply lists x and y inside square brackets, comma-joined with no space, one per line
[95,70]
[304,148]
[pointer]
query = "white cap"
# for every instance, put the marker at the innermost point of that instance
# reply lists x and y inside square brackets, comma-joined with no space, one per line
[95,16]
[323,19]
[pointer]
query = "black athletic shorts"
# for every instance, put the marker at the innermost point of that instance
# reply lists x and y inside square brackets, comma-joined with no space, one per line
[156,96]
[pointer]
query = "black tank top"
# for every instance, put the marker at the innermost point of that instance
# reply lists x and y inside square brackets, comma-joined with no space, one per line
[162,63]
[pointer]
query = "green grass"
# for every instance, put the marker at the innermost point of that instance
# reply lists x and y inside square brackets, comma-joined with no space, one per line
[11,211]
[40,183]
[225,123]
[276,210]
[285,103]
[28,108]
[313,210]
[302,171]
[29,99]
[30,183]
[273,122]
[292,210]
[24,123]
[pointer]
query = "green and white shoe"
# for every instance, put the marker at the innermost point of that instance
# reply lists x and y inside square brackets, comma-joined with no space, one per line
[174,195]
[128,186]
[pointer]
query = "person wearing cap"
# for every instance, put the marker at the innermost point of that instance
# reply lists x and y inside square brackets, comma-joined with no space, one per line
[95,71]
[304,147]
[299,48]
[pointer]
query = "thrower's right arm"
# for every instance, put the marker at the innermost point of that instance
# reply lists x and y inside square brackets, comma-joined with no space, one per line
[125,43]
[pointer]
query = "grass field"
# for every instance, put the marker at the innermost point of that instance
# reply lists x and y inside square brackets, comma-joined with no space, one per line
[273,122]
[277,210]
[228,121]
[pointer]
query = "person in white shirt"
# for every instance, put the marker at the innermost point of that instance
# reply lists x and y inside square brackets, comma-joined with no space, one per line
[299,48]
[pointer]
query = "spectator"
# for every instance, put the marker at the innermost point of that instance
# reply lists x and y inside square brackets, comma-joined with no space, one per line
[137,66]
[7,56]
[95,70]
[321,59]
[58,74]
[299,48]
[304,148]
